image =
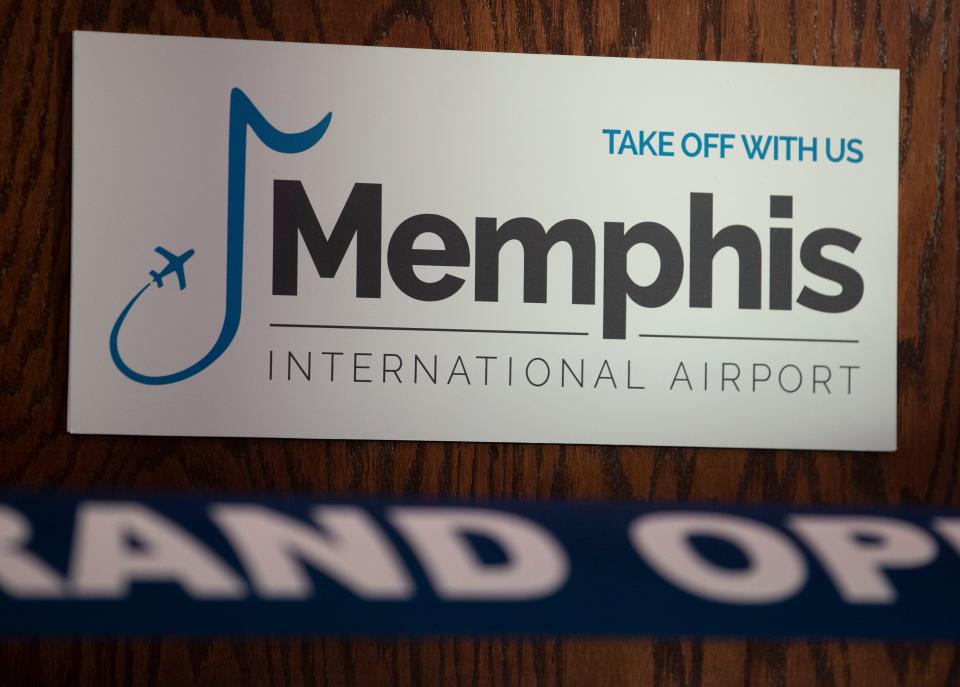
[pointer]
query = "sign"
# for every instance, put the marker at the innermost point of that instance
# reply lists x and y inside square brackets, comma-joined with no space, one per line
[196,565]
[346,242]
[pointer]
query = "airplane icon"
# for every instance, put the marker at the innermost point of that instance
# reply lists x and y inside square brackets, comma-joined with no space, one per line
[175,265]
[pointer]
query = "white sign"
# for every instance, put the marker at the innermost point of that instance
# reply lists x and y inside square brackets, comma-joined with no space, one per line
[275,239]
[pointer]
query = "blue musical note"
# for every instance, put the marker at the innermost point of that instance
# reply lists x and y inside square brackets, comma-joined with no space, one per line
[243,113]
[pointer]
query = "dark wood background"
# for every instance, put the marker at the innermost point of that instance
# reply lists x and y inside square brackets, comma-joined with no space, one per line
[922,39]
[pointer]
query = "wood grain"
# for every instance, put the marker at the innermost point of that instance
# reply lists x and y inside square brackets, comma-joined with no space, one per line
[922,39]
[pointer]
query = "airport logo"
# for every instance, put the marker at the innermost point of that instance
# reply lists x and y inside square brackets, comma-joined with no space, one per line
[360,222]
[243,114]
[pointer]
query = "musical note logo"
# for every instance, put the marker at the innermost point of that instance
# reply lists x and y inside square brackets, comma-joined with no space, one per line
[243,114]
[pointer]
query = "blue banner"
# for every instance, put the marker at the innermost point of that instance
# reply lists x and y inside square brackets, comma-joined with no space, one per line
[200,565]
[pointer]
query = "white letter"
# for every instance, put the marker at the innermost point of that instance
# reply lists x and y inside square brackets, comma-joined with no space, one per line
[105,563]
[855,549]
[536,565]
[349,548]
[21,573]
[775,569]
[949,529]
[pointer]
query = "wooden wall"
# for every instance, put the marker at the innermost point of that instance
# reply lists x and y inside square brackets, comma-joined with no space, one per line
[922,39]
